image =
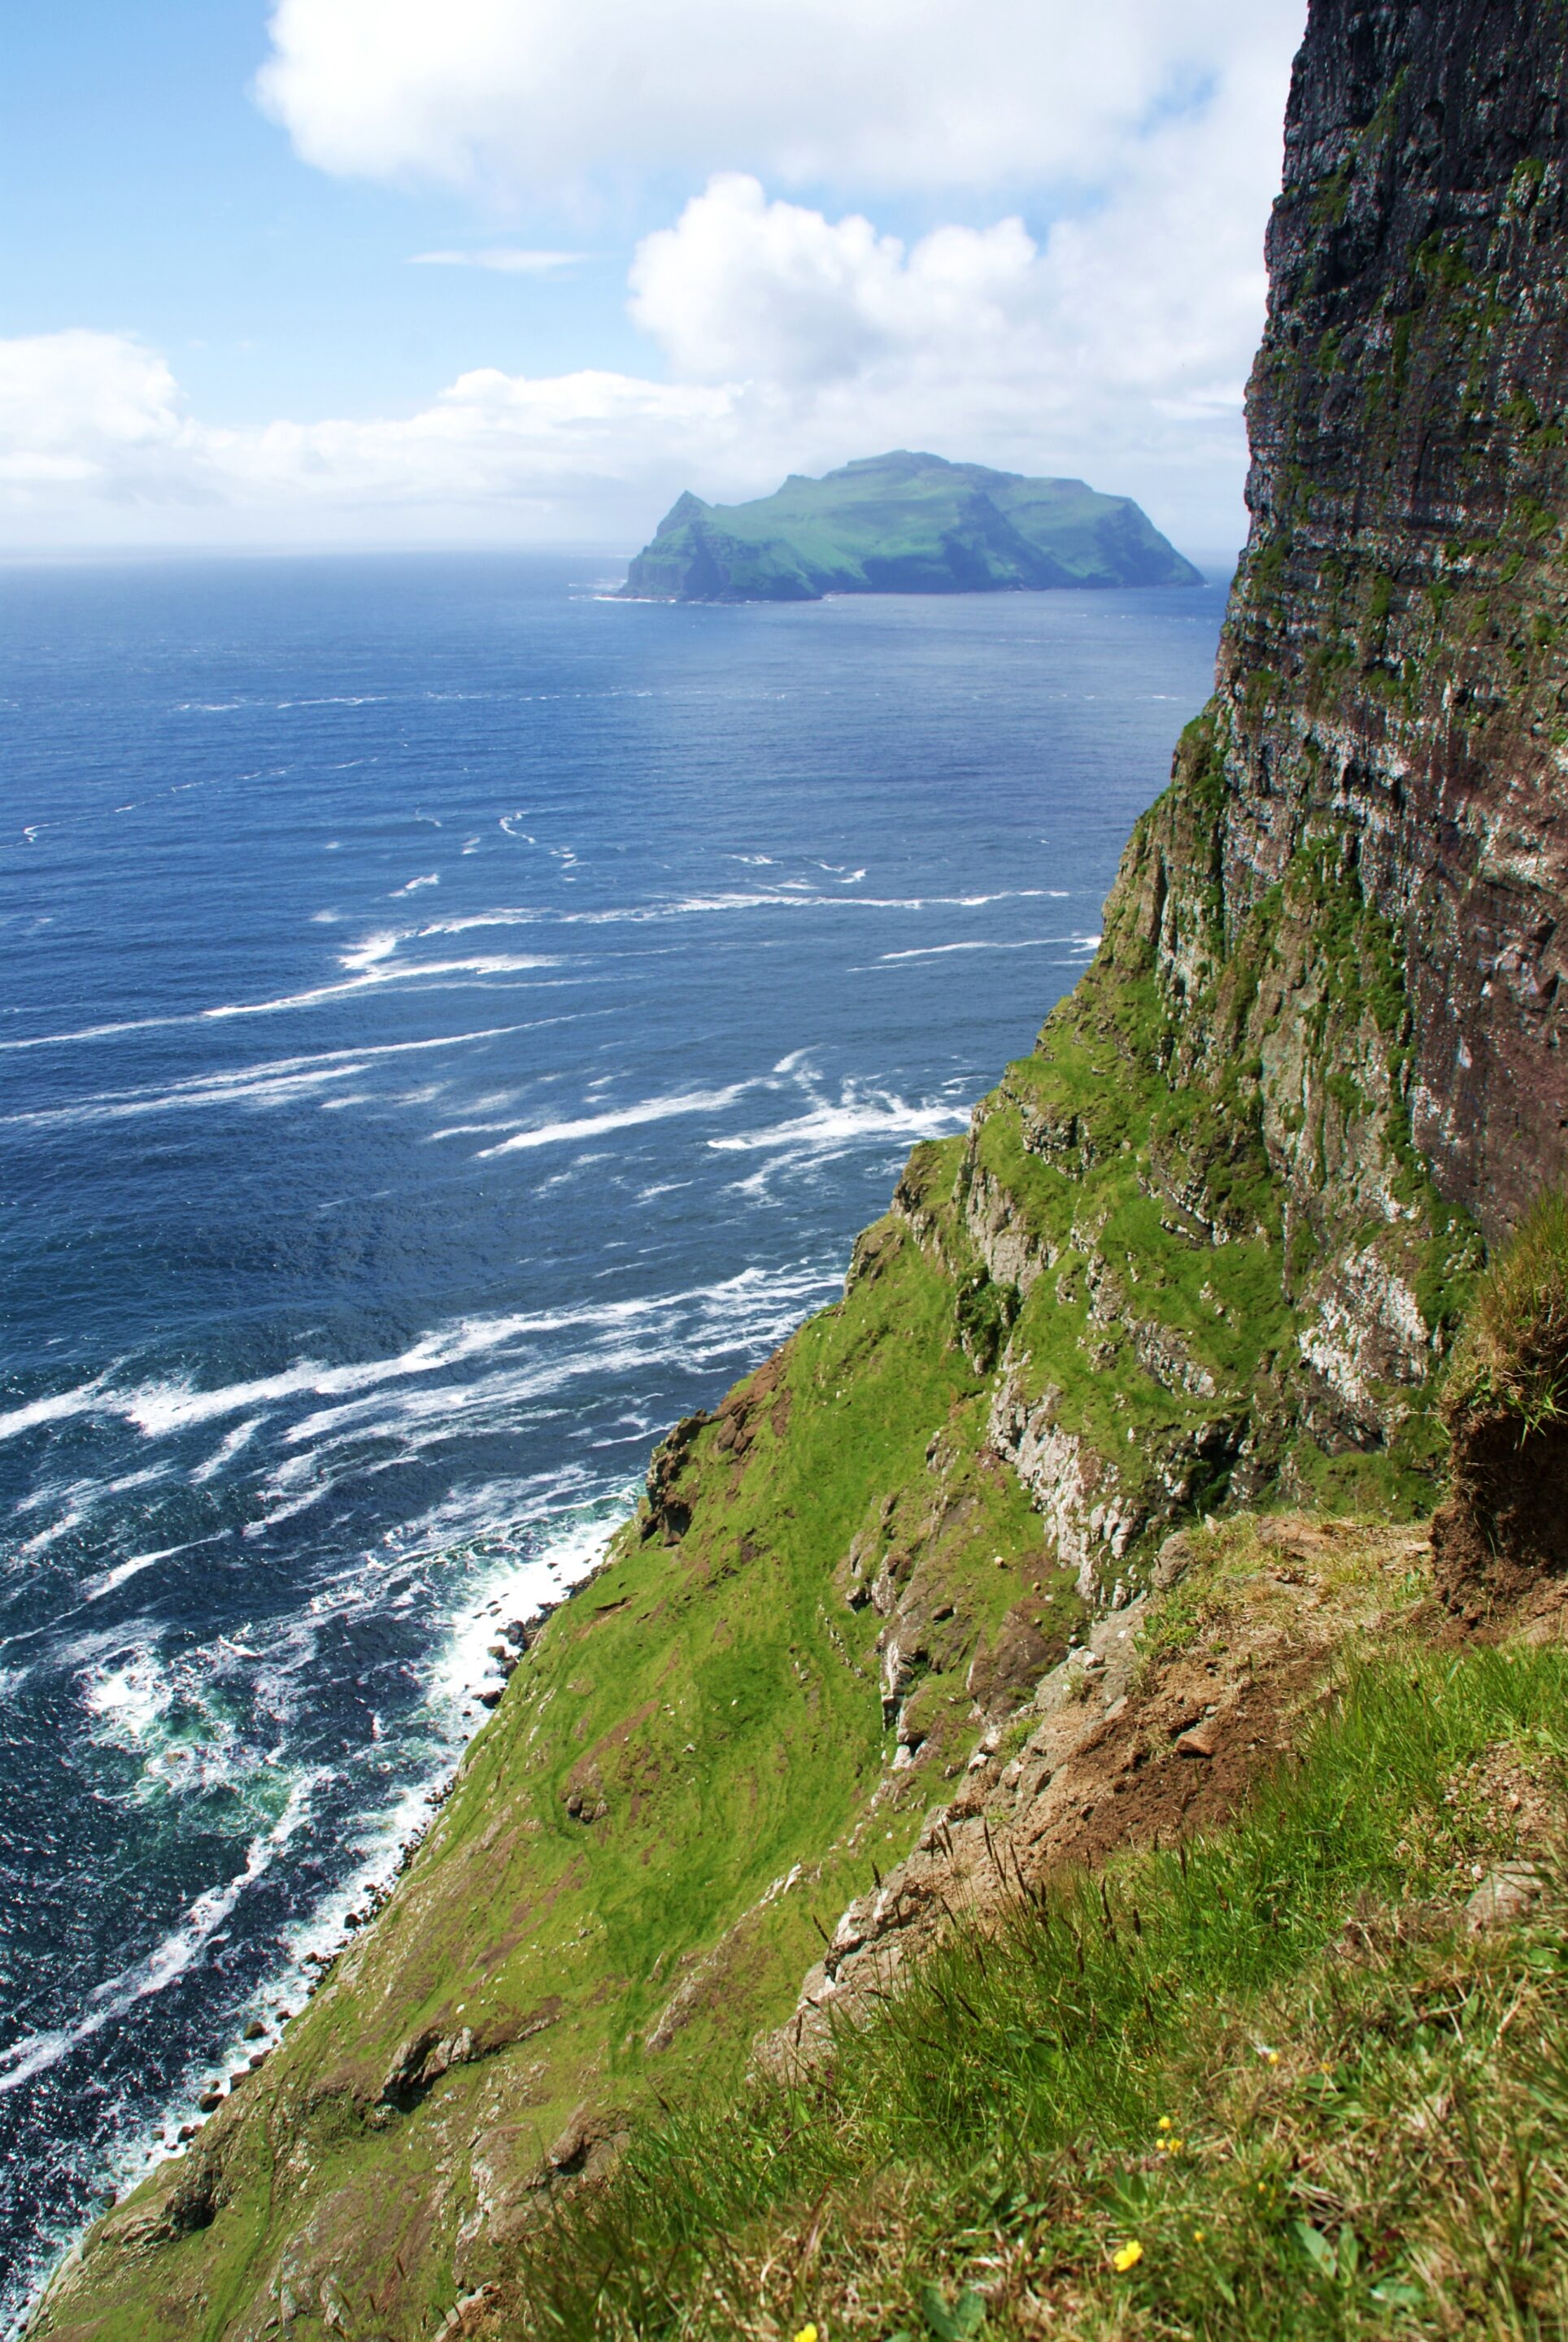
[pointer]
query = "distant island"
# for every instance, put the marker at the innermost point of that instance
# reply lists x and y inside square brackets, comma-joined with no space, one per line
[903,524]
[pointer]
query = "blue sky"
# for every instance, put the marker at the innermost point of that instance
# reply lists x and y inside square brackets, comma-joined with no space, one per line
[808,229]
[143,191]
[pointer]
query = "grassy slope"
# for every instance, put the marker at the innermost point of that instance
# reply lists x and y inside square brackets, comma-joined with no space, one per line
[1278,2062]
[720,1698]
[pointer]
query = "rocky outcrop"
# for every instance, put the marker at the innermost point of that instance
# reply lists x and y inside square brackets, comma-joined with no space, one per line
[1126,1741]
[1501,1538]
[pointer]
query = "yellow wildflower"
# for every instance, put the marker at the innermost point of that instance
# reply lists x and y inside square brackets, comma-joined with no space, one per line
[1127,2256]
[1165,2123]
[807,2334]
[1198,2236]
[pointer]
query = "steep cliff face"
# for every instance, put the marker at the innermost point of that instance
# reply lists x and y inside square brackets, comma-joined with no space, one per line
[1333,961]
[1392,677]
[1205,1245]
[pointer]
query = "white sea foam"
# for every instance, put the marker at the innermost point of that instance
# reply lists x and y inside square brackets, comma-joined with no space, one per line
[166,1408]
[130,1699]
[97,1587]
[86,1493]
[432,878]
[372,951]
[692,1333]
[503,917]
[553,1134]
[35,2053]
[779,898]
[828,1126]
[412,972]
[56,1408]
[940,951]
[227,1449]
[281,1081]
[337,699]
[513,1589]
[72,1518]
[783,895]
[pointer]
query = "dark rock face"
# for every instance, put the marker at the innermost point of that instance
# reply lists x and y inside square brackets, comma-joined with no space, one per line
[1502,1538]
[1393,667]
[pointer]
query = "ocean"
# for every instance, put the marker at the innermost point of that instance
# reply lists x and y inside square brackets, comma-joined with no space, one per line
[454,1024]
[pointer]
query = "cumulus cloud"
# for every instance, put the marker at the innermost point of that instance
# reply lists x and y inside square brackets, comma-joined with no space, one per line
[866,92]
[89,411]
[742,287]
[1113,345]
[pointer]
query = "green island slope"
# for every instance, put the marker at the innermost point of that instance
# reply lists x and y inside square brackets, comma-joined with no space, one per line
[903,524]
[917,1657]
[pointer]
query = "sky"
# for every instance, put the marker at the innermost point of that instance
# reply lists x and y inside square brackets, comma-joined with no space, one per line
[361,273]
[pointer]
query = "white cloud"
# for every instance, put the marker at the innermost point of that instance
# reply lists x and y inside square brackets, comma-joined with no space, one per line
[742,287]
[873,93]
[88,413]
[508,260]
[1114,347]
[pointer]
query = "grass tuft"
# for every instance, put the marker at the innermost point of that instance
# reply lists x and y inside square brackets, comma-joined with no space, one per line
[1264,2086]
[1512,1355]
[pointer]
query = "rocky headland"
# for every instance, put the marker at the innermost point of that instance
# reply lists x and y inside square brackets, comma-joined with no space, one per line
[903,524]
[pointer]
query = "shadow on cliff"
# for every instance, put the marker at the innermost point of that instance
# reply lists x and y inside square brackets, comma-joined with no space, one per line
[1500,1543]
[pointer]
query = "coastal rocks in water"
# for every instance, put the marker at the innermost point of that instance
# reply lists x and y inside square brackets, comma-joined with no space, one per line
[903,524]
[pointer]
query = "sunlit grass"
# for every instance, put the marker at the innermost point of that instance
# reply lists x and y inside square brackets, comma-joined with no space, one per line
[1273,2062]
[1514,1352]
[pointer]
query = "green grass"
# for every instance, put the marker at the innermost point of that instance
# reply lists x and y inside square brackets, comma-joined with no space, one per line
[906,524]
[1291,1038]
[720,1696]
[1514,1354]
[1368,2107]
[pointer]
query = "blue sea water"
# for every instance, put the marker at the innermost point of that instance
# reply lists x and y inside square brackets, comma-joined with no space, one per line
[453,1023]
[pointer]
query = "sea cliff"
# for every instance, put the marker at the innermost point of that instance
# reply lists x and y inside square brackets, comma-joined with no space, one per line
[1203,1252]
